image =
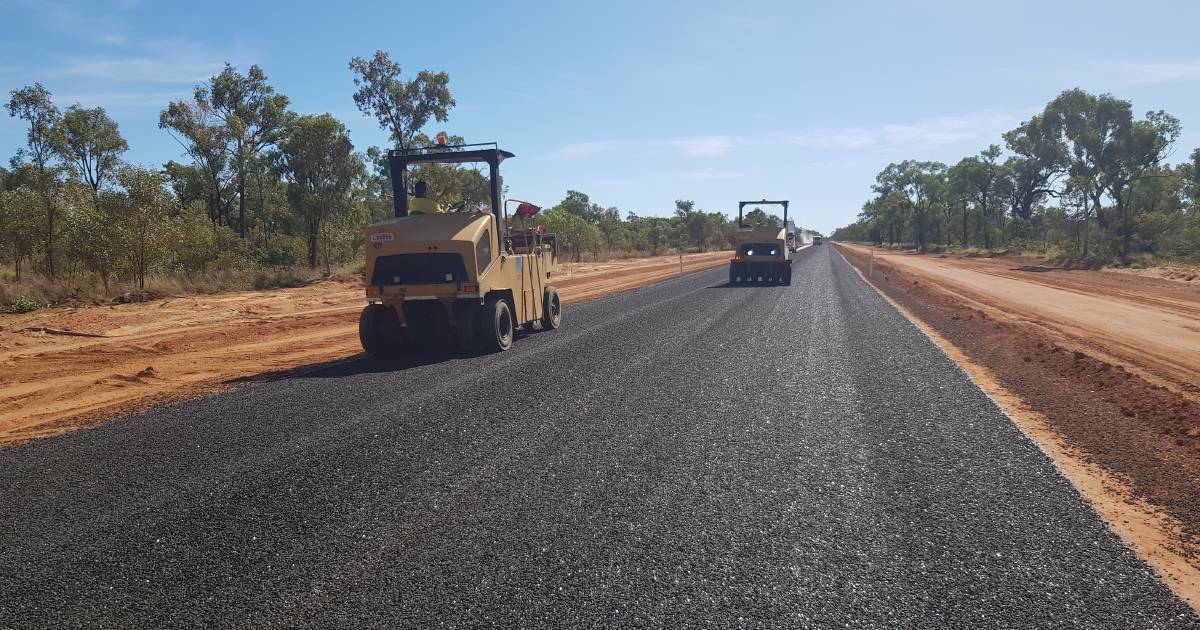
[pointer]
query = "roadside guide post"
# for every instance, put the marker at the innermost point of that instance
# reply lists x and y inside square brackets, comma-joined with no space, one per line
[871,267]
[680,263]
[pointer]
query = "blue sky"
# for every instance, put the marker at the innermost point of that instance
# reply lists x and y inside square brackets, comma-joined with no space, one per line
[639,103]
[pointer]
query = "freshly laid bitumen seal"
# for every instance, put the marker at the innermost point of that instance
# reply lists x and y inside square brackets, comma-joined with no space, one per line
[684,455]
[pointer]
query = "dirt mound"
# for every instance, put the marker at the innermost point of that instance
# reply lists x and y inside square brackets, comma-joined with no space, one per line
[1180,274]
[355,279]
[138,296]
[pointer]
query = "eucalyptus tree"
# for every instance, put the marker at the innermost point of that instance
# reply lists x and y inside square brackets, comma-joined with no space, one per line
[1109,150]
[1157,205]
[1091,127]
[20,226]
[144,218]
[319,163]
[96,233]
[198,130]
[919,185]
[982,175]
[960,194]
[91,143]
[33,104]
[573,231]
[691,220]
[580,205]
[1190,171]
[1077,200]
[187,183]
[1039,161]
[889,212]
[402,108]
[254,117]
[1141,151]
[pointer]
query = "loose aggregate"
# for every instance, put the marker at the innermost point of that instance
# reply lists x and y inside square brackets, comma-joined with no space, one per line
[684,455]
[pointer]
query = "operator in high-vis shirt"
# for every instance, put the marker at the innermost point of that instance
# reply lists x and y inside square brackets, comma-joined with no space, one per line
[420,204]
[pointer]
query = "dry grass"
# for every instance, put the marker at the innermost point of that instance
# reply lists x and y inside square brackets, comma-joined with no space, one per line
[37,291]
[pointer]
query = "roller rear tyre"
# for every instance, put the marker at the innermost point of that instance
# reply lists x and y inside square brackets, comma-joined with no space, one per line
[496,326]
[379,331]
[551,309]
[467,326]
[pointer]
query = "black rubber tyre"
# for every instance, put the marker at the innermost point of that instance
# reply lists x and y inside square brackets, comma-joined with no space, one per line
[430,328]
[419,333]
[496,326]
[379,331]
[551,309]
[467,326]
[787,278]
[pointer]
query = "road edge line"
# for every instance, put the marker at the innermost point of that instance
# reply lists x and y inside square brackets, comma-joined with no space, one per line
[1141,528]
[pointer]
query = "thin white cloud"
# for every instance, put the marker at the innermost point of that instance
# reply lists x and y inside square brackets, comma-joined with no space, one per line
[165,61]
[845,139]
[698,146]
[1151,71]
[705,146]
[979,128]
[986,126]
[139,69]
[706,174]
[122,100]
[584,149]
[932,132]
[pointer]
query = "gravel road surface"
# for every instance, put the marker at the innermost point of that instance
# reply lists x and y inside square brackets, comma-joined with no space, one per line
[685,455]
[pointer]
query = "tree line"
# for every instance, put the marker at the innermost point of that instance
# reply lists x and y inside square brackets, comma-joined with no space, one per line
[586,227]
[1084,177]
[258,185]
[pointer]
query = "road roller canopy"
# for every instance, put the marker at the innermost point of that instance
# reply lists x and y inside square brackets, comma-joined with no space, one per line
[487,152]
[761,202]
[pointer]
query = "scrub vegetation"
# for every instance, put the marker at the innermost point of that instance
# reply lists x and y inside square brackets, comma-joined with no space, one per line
[263,196]
[1084,180]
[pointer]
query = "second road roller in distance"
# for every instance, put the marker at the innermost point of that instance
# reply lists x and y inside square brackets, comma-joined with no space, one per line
[761,251]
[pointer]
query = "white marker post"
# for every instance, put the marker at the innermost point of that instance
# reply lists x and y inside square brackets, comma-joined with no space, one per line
[871,267]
